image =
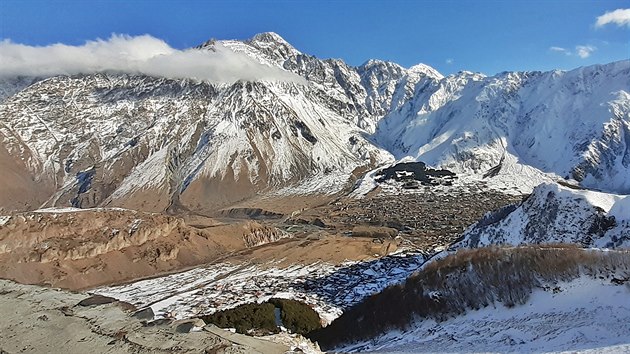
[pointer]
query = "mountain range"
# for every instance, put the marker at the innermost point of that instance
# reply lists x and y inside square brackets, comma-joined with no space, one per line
[158,144]
[357,190]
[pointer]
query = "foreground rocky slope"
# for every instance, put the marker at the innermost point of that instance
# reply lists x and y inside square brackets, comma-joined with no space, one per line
[40,320]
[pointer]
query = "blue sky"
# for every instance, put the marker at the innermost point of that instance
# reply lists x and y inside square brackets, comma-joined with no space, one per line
[485,36]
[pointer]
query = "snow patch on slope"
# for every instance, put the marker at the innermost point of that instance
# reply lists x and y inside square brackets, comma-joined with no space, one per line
[151,173]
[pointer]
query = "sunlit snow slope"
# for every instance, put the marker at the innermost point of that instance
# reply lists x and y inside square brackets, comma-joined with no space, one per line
[557,214]
[572,124]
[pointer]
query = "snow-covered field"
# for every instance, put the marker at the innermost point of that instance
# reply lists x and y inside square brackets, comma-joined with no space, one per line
[328,288]
[583,315]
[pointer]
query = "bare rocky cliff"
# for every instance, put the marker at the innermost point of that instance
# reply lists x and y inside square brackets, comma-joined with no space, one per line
[257,235]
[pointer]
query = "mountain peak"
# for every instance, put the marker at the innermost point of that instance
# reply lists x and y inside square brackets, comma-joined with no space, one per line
[269,37]
[425,70]
[273,45]
[377,62]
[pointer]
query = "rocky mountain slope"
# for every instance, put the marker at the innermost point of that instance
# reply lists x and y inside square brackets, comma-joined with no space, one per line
[556,214]
[158,144]
[150,143]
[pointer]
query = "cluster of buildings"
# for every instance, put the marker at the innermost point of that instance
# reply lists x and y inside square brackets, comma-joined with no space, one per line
[430,217]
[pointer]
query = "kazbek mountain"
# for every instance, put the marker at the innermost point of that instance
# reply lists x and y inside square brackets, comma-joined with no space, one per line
[156,144]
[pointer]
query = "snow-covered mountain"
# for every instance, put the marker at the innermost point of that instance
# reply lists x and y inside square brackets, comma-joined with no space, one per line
[150,143]
[574,125]
[557,214]
[103,139]
[369,91]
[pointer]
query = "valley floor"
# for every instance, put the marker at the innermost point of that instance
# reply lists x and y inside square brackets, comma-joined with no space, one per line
[330,257]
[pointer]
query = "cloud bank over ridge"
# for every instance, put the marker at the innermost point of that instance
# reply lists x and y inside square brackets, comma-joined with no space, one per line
[136,55]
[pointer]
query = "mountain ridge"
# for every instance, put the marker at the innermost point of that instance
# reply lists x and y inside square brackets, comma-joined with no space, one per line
[156,143]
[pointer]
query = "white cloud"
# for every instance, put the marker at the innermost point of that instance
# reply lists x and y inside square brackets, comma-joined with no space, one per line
[450,61]
[584,51]
[619,17]
[136,55]
[560,50]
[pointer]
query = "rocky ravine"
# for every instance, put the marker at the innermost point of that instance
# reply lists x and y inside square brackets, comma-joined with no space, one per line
[85,248]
